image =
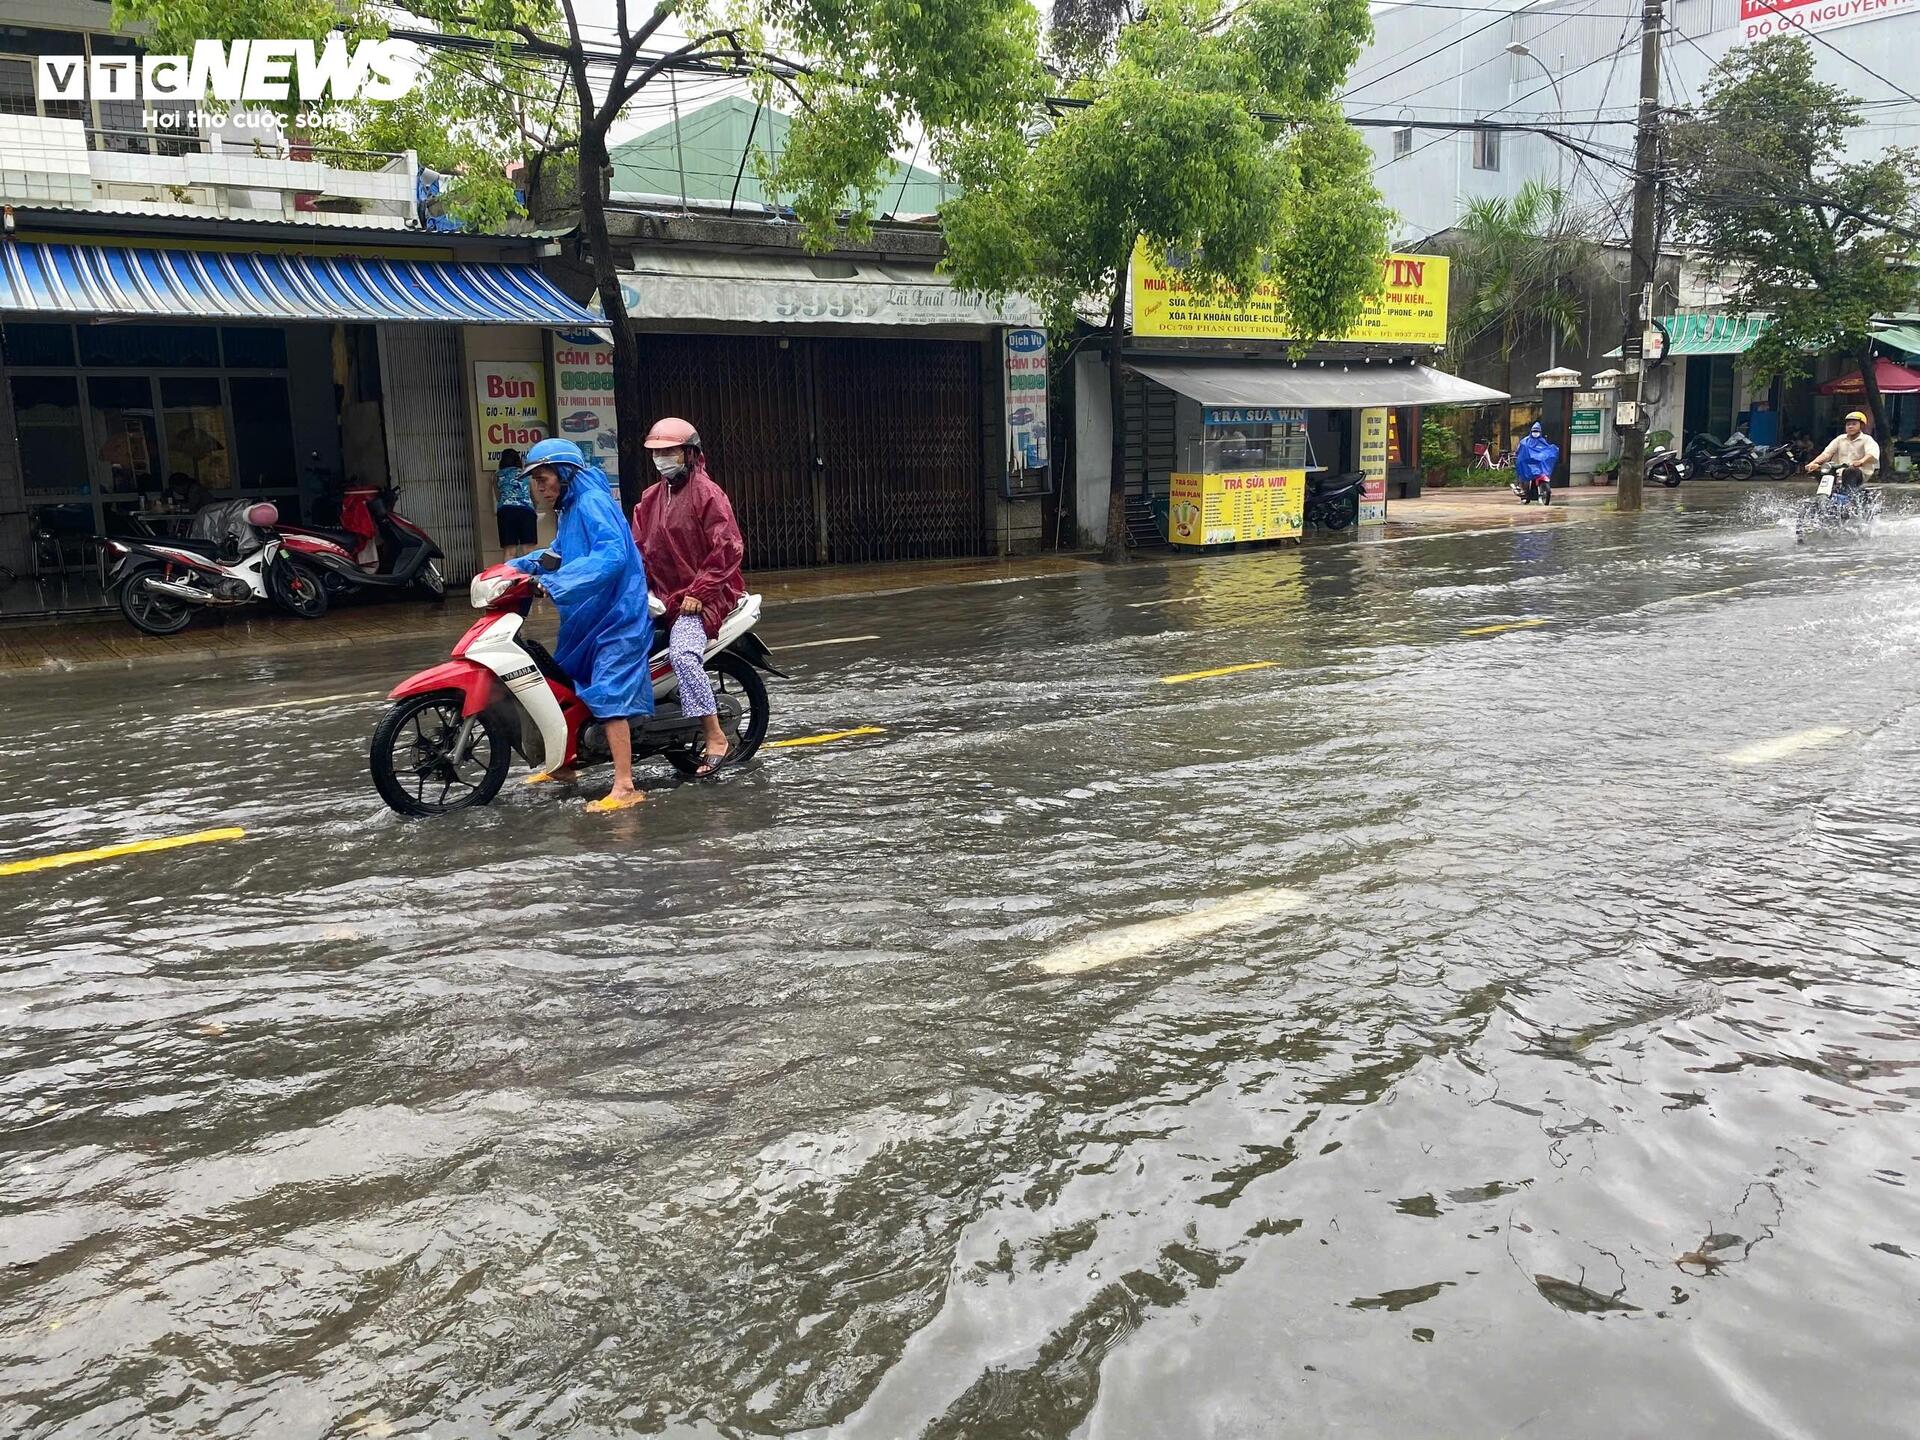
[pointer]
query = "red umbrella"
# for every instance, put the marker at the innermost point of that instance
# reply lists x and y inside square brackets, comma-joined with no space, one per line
[1894,380]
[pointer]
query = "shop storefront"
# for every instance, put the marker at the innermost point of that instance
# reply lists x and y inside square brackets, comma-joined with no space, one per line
[1227,431]
[143,381]
[856,410]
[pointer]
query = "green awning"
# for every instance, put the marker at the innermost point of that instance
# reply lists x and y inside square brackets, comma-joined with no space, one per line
[1904,338]
[1710,332]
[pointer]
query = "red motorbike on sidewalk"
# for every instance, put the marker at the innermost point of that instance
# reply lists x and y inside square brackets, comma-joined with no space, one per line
[373,548]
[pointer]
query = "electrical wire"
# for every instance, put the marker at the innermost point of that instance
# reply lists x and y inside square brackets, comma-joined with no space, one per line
[1572,15]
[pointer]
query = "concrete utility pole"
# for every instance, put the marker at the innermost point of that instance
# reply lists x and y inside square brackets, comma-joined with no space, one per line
[1643,270]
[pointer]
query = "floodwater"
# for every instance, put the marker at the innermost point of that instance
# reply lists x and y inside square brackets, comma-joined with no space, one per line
[1442,1031]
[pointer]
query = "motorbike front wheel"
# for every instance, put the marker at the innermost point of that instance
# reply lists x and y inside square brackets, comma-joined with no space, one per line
[298,588]
[1546,495]
[426,760]
[149,611]
[735,681]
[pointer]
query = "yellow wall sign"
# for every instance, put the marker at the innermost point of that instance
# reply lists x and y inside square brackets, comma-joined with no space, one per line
[1223,509]
[1411,310]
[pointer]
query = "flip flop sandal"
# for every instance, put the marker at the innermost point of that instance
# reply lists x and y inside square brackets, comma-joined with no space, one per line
[607,805]
[711,767]
[547,777]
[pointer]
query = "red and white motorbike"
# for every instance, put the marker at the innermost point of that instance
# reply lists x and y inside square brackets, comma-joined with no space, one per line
[235,556]
[450,737]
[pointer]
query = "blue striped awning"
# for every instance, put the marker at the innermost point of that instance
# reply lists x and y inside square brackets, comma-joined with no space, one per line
[61,279]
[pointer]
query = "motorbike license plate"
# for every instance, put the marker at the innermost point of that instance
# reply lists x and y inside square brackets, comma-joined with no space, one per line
[1826,485]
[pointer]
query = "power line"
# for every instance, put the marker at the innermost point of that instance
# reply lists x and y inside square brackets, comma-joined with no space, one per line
[1567,18]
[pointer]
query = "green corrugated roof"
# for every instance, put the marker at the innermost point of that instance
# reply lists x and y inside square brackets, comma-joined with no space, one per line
[1710,332]
[712,140]
[1905,338]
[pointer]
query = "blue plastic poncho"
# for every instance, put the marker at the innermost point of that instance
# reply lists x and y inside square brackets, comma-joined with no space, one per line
[1535,457]
[606,633]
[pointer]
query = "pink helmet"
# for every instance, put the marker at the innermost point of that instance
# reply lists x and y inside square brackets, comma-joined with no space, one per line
[672,434]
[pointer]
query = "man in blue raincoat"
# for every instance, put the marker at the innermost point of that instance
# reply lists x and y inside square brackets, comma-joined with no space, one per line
[606,632]
[1533,463]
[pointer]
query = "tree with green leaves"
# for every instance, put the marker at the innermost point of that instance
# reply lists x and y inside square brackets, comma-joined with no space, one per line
[861,74]
[1192,126]
[1519,267]
[1763,187]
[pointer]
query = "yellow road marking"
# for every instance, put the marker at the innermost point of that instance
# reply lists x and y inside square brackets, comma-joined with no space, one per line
[1145,937]
[114,852]
[1781,746]
[1496,629]
[826,739]
[837,640]
[1223,670]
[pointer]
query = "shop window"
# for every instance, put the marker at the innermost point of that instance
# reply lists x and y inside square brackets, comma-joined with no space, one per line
[149,347]
[254,347]
[53,446]
[27,344]
[1486,149]
[196,429]
[262,435]
[126,435]
[17,87]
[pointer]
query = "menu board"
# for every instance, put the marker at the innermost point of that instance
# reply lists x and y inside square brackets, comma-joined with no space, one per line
[1228,509]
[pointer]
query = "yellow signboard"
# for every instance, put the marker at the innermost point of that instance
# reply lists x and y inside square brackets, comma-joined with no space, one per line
[1224,509]
[1411,309]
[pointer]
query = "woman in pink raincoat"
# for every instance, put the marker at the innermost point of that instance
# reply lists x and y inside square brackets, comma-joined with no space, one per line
[691,544]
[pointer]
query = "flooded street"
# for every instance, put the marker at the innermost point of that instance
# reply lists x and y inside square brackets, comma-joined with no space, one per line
[1489,1007]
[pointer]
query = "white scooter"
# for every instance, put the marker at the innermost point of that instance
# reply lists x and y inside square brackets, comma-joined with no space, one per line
[450,737]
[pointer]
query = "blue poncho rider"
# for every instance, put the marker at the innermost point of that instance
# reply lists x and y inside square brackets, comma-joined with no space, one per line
[600,588]
[1535,459]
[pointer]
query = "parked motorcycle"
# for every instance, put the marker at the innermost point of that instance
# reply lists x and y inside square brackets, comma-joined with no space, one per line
[1774,462]
[1666,468]
[1721,460]
[1837,507]
[451,735]
[233,556]
[1333,501]
[374,548]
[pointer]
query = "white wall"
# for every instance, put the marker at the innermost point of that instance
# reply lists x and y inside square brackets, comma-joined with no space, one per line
[1092,449]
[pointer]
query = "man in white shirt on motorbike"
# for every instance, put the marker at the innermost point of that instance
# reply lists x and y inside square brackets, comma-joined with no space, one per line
[1856,452]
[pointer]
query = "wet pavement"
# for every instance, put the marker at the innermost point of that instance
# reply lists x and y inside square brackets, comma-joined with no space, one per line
[1486,1006]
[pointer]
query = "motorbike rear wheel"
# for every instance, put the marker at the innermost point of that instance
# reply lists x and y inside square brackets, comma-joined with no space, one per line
[433,580]
[152,613]
[414,762]
[736,681]
[1737,467]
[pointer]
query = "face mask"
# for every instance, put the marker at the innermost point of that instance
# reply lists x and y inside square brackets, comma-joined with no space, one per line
[669,469]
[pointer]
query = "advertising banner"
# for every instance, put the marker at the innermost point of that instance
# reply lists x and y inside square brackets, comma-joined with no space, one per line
[1761,18]
[1411,310]
[1025,354]
[510,406]
[1373,466]
[1226,509]
[583,396]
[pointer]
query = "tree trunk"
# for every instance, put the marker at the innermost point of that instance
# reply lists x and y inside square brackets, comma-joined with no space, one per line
[631,421]
[1116,550]
[1877,408]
